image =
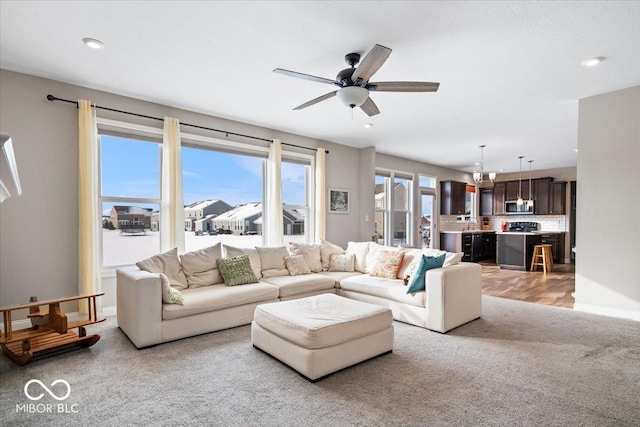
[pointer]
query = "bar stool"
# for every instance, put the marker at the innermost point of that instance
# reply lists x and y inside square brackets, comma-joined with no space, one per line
[542,256]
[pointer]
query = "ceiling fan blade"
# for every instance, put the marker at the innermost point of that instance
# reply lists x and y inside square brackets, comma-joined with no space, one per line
[316,100]
[370,107]
[304,76]
[371,63]
[403,86]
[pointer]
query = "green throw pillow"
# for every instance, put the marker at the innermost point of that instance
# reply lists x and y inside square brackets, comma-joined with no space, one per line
[236,271]
[416,284]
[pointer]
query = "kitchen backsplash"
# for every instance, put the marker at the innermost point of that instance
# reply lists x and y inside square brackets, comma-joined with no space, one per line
[547,222]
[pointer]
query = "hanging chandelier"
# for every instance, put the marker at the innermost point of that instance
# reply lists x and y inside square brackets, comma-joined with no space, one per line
[478,177]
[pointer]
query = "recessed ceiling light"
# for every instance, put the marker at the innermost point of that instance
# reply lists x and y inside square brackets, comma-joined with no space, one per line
[93,43]
[368,125]
[503,170]
[575,149]
[593,61]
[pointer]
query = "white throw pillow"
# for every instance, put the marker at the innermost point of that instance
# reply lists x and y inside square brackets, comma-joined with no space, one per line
[311,255]
[168,264]
[296,265]
[170,295]
[359,250]
[452,258]
[254,258]
[200,266]
[341,262]
[410,262]
[326,250]
[272,260]
[374,253]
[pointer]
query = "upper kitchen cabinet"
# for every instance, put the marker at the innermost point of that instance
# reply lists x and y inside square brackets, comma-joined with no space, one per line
[499,191]
[557,197]
[486,201]
[541,195]
[452,197]
[513,189]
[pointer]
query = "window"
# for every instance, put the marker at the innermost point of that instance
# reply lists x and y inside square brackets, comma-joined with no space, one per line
[426,222]
[129,198]
[295,186]
[393,200]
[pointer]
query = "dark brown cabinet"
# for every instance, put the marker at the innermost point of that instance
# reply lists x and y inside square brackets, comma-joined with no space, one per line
[556,240]
[452,197]
[486,201]
[488,246]
[475,245]
[499,190]
[541,196]
[557,197]
[513,189]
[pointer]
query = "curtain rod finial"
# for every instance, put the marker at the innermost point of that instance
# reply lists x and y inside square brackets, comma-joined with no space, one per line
[51,97]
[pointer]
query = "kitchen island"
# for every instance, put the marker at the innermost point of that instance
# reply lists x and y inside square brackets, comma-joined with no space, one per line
[515,249]
[477,245]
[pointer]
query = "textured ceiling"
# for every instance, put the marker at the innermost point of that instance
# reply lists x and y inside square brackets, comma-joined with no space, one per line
[509,72]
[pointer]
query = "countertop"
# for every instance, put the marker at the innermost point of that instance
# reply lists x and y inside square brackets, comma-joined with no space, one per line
[531,233]
[469,231]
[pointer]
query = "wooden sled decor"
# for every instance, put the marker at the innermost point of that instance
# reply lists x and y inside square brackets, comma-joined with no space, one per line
[49,329]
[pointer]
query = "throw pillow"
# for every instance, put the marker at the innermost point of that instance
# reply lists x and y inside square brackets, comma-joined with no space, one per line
[296,265]
[373,254]
[387,264]
[410,261]
[311,255]
[272,260]
[169,294]
[236,270]
[200,266]
[326,250]
[360,250]
[254,258]
[416,283]
[452,258]
[168,264]
[341,262]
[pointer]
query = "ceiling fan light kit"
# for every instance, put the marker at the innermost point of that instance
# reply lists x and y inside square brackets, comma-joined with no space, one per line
[354,82]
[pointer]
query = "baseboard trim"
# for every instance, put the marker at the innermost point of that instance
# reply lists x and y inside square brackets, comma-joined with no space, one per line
[607,311]
[72,317]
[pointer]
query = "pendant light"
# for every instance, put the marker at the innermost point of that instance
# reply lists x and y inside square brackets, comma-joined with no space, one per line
[478,177]
[520,202]
[530,201]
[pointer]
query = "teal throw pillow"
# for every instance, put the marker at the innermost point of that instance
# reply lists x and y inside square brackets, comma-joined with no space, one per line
[236,270]
[416,283]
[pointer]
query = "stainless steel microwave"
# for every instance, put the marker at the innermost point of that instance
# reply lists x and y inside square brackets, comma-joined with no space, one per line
[511,208]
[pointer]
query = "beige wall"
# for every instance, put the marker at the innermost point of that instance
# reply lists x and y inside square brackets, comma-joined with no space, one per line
[607,275]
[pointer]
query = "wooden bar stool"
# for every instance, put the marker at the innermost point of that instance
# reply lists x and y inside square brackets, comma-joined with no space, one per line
[542,256]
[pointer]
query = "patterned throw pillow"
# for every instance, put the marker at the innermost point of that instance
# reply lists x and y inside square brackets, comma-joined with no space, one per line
[341,262]
[387,264]
[236,271]
[169,294]
[296,265]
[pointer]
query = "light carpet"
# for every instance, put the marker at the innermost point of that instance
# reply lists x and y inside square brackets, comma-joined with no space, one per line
[520,364]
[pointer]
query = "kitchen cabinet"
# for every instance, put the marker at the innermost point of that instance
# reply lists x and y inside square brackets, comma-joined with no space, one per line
[541,196]
[515,250]
[475,245]
[513,188]
[488,245]
[499,190]
[556,240]
[486,201]
[452,197]
[557,197]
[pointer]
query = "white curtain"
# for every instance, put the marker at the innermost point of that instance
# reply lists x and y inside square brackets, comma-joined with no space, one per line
[172,210]
[89,211]
[272,224]
[320,196]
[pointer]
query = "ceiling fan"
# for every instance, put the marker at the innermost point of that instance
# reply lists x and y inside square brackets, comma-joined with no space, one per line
[354,82]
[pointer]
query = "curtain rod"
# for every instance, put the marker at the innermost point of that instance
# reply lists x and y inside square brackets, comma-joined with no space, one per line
[54,98]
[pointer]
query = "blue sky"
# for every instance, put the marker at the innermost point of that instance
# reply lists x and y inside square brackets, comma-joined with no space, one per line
[131,169]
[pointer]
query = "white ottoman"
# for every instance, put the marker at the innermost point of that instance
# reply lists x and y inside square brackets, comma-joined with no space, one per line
[322,334]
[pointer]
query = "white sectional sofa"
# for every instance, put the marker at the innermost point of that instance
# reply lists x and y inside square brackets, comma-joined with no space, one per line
[451,298]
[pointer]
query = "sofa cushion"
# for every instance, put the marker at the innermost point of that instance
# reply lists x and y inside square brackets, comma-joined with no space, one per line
[272,260]
[337,276]
[416,283]
[311,255]
[359,250]
[387,264]
[200,267]
[296,285]
[168,264]
[342,262]
[296,265]
[391,289]
[254,258]
[323,320]
[236,271]
[326,250]
[373,255]
[218,297]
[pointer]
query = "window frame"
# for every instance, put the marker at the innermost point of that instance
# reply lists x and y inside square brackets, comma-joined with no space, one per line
[389,205]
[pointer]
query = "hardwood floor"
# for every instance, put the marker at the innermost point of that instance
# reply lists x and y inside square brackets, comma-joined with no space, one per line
[553,288]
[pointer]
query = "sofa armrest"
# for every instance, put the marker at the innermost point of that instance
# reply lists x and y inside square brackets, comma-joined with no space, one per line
[139,299]
[454,295]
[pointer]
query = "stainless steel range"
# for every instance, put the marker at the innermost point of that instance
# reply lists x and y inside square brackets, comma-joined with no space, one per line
[526,227]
